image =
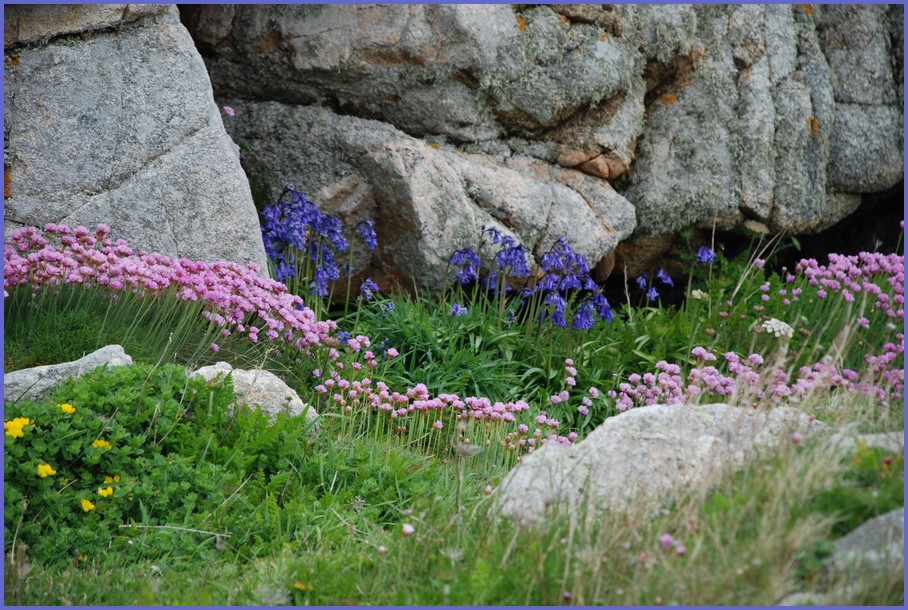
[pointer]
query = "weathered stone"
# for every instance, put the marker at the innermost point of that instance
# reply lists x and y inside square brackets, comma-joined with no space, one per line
[646,455]
[427,200]
[890,441]
[109,118]
[38,382]
[35,24]
[724,114]
[258,388]
[876,545]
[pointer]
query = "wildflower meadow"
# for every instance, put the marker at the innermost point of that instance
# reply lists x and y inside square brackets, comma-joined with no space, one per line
[143,485]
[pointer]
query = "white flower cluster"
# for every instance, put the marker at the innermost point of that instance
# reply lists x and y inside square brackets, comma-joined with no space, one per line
[778,328]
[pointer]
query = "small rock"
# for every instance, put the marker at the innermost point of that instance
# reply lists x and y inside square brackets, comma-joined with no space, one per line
[876,545]
[38,382]
[260,388]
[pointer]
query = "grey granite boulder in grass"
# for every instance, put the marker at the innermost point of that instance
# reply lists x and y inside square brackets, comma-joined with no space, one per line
[646,455]
[258,388]
[37,382]
[876,545]
[109,118]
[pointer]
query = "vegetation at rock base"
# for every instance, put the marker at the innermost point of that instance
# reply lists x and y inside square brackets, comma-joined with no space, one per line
[141,485]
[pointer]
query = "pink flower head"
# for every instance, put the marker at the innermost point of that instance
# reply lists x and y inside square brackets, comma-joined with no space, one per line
[680,550]
[594,392]
[797,438]
[488,490]
[392,352]
[667,541]
[407,530]
[438,425]
[215,347]
[229,111]
[382,550]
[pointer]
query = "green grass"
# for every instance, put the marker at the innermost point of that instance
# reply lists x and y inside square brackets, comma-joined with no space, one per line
[217,508]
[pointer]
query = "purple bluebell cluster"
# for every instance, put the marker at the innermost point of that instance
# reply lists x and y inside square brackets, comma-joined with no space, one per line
[295,231]
[458,310]
[705,255]
[468,261]
[564,271]
[368,289]
[652,293]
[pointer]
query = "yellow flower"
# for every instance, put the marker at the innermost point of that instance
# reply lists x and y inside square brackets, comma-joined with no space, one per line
[67,408]
[101,444]
[87,505]
[45,470]
[14,428]
[105,492]
[113,479]
[302,586]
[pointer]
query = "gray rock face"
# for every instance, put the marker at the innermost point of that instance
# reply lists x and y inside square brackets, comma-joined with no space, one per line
[875,545]
[260,389]
[38,382]
[773,113]
[109,118]
[642,456]
[427,201]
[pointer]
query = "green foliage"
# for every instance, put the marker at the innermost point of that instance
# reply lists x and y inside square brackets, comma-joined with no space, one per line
[872,485]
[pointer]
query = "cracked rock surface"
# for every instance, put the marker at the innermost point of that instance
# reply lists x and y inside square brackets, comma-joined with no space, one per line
[110,118]
[781,114]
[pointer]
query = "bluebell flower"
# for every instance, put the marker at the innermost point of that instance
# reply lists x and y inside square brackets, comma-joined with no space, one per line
[663,277]
[458,310]
[583,319]
[388,306]
[705,255]
[494,233]
[368,289]
[652,294]
[343,336]
[558,305]
[366,229]
[512,258]
[641,282]
[469,265]
[603,309]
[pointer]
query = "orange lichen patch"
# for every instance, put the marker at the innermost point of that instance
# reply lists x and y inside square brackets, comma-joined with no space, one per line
[14,61]
[668,98]
[433,145]
[7,179]
[813,126]
[563,19]
[806,8]
[521,24]
[603,36]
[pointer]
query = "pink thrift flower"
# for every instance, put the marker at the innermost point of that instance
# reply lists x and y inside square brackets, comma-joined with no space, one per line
[382,550]
[797,438]
[215,347]
[680,550]
[594,392]
[407,530]
[392,353]
[438,425]
[488,490]
[570,381]
[229,111]
[759,262]
[667,541]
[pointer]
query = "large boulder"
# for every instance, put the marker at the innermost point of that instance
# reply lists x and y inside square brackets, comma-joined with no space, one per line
[38,382]
[876,545]
[258,388]
[428,200]
[109,118]
[644,456]
[717,114]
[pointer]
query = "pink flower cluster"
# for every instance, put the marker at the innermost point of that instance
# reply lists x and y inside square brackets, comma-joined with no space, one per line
[235,297]
[851,275]
[745,382]
[361,395]
[562,397]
